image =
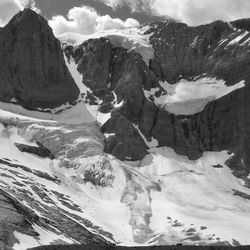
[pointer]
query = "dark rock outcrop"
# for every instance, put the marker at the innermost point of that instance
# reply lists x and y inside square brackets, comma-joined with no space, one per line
[32,68]
[124,141]
[14,217]
[38,150]
[242,24]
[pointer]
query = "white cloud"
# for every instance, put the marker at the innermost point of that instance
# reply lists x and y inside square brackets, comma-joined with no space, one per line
[85,20]
[193,12]
[8,8]
[28,4]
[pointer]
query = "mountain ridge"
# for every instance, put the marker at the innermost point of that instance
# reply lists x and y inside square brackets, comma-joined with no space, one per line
[133,137]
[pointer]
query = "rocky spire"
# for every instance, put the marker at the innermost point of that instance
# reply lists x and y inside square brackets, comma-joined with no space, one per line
[32,67]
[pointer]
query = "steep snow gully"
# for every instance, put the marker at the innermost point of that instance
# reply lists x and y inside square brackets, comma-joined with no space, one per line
[59,185]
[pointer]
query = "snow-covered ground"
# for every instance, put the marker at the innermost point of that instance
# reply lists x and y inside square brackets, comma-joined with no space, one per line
[198,194]
[99,205]
[165,199]
[190,97]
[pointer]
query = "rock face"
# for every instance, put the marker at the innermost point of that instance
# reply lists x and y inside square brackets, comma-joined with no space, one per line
[117,76]
[181,52]
[14,217]
[32,68]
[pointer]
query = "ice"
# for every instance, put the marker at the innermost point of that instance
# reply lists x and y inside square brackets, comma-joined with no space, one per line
[190,97]
[100,205]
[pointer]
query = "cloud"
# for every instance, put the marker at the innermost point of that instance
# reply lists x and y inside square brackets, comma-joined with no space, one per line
[85,20]
[8,8]
[28,4]
[193,12]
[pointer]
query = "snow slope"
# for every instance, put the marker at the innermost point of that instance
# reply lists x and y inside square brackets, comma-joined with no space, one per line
[165,199]
[60,182]
[198,197]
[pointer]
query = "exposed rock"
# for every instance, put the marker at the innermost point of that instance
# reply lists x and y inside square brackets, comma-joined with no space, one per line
[242,24]
[14,217]
[39,150]
[93,59]
[32,68]
[126,75]
[125,143]
[181,52]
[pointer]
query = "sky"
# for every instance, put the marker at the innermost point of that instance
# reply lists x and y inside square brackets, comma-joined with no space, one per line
[89,16]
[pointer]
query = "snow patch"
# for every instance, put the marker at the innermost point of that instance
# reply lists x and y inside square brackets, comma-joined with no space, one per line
[152,143]
[238,39]
[190,97]
[72,66]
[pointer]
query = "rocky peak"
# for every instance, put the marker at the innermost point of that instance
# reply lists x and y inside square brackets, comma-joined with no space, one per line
[242,24]
[28,17]
[32,67]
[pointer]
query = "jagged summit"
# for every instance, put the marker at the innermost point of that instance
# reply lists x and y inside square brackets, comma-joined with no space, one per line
[242,24]
[25,16]
[32,67]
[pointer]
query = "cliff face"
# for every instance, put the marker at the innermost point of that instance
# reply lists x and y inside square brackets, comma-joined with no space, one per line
[32,67]
[217,50]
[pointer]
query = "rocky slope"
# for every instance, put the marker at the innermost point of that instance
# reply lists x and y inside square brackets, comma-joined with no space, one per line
[32,69]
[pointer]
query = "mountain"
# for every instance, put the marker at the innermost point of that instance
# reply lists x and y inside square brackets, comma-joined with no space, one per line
[130,137]
[210,54]
[33,73]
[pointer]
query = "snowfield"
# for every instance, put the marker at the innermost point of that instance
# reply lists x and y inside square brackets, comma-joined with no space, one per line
[164,199]
[190,97]
[196,195]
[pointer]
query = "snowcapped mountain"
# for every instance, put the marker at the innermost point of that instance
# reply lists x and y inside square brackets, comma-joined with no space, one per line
[131,137]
